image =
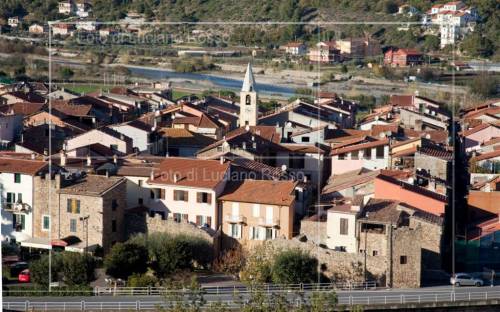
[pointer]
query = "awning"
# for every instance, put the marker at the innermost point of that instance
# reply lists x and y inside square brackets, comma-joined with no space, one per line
[37,242]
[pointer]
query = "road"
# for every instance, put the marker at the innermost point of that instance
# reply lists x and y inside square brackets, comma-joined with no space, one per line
[360,297]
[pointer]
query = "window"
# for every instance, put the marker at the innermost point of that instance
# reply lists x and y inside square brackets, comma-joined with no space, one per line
[305,139]
[380,152]
[204,221]
[140,183]
[177,217]
[45,223]
[269,233]
[140,201]
[152,194]
[234,230]
[114,204]
[19,197]
[203,197]
[19,222]
[73,205]
[341,156]
[248,99]
[114,147]
[344,228]
[113,226]
[375,253]
[368,153]
[403,260]
[11,198]
[256,210]
[355,155]
[180,195]
[17,178]
[72,225]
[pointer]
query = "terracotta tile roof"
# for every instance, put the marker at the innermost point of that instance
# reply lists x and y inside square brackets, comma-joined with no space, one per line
[260,192]
[351,178]
[185,137]
[139,170]
[302,148]
[27,97]
[343,208]
[140,125]
[405,152]
[252,165]
[294,44]
[397,174]
[72,110]
[190,172]
[22,108]
[476,129]
[267,136]
[401,100]
[378,129]
[16,165]
[92,185]
[356,147]
[493,141]
[382,210]
[404,142]
[489,155]
[436,152]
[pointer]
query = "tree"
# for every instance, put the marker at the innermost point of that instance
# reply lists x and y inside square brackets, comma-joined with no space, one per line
[390,7]
[39,269]
[431,43]
[484,84]
[477,46]
[77,269]
[231,262]
[141,280]
[293,267]
[125,259]
[66,73]
[344,69]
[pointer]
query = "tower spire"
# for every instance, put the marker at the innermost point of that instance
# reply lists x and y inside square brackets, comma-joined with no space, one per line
[249,82]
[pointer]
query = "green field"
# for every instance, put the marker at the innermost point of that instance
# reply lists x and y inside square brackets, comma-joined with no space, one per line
[84,88]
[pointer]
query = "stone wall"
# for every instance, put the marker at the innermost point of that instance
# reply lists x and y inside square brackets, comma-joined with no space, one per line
[315,231]
[437,167]
[144,223]
[340,266]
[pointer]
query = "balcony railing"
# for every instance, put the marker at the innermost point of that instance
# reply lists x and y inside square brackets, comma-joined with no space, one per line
[271,222]
[16,207]
[235,219]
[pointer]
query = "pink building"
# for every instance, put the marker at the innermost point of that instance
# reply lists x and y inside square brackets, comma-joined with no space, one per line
[391,188]
[474,137]
[372,155]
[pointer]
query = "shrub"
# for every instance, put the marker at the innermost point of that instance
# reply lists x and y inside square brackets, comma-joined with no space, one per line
[124,259]
[141,280]
[231,262]
[77,269]
[39,269]
[293,267]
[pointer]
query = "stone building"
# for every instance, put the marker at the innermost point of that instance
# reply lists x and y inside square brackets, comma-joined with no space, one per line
[409,239]
[86,210]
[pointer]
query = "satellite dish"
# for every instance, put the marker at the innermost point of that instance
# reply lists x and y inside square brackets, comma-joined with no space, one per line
[283,167]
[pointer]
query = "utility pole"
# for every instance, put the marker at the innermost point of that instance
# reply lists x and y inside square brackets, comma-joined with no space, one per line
[85,222]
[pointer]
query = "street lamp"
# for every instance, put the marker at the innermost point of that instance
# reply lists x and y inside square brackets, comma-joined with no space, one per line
[85,222]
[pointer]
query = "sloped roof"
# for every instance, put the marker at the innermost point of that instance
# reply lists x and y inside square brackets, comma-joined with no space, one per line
[249,81]
[23,166]
[268,192]
[190,172]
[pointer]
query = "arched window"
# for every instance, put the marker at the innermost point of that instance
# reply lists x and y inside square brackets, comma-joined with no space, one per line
[248,100]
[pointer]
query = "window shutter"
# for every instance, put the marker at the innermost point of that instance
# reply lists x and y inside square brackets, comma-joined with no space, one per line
[185,193]
[68,205]
[198,220]
[275,232]
[199,197]
[77,206]
[209,198]
[162,193]
[250,232]
[209,221]
[230,229]
[185,217]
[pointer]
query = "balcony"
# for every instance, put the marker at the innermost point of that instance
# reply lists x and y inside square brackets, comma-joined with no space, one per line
[235,219]
[16,207]
[265,222]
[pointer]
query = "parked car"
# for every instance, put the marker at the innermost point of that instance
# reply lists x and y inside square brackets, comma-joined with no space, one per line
[17,268]
[24,276]
[464,279]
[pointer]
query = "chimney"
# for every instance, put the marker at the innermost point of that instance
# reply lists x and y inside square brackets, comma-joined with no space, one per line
[222,160]
[115,159]
[244,145]
[152,175]
[62,156]
[89,161]
[176,178]
[33,155]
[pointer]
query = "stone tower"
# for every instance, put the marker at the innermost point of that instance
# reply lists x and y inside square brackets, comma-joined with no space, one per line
[248,100]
